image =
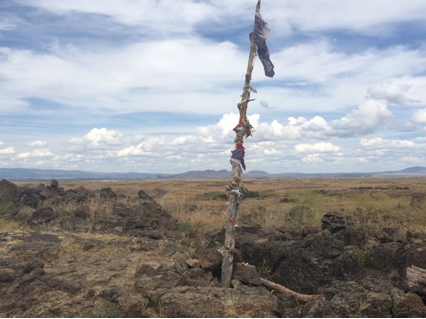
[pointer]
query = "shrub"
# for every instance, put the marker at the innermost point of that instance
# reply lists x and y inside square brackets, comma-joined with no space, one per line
[8,209]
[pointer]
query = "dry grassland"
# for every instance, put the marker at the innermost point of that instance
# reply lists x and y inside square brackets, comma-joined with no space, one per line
[9,225]
[199,205]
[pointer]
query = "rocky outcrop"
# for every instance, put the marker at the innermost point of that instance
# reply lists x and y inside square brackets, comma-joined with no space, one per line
[81,209]
[38,280]
[127,263]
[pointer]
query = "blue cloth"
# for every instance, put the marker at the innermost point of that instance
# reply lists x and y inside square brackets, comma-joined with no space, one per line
[239,154]
[260,33]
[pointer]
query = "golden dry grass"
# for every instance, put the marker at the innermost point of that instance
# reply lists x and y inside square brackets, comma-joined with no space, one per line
[383,202]
[10,225]
[69,248]
[114,245]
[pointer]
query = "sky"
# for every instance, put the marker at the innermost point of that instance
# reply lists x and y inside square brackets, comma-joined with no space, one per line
[152,86]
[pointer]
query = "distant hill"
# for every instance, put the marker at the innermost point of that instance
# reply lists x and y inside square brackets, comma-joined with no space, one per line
[207,174]
[23,174]
[42,174]
[415,170]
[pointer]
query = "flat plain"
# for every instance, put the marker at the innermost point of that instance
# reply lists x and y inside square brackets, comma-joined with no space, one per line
[381,202]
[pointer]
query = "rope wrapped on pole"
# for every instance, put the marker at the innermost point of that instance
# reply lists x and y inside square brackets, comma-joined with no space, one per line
[243,129]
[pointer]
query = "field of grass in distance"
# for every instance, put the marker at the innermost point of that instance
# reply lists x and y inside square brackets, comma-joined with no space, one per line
[199,204]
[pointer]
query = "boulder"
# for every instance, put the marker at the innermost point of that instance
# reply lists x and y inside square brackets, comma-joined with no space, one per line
[42,215]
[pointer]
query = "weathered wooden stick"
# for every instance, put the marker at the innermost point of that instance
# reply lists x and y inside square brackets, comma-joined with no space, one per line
[285,291]
[245,97]
[415,280]
[234,195]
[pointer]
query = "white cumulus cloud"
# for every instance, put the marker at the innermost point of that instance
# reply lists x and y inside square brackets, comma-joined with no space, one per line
[37,143]
[7,151]
[24,155]
[38,153]
[312,158]
[419,116]
[379,142]
[41,153]
[392,93]
[367,118]
[318,147]
[97,139]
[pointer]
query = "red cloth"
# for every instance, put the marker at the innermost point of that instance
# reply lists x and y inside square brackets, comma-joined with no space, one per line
[241,147]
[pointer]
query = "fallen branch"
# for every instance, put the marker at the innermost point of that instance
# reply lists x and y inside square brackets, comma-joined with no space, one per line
[285,291]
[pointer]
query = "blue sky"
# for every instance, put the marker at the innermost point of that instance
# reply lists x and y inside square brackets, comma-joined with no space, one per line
[153,85]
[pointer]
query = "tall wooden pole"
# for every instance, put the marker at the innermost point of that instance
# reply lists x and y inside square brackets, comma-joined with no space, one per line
[243,129]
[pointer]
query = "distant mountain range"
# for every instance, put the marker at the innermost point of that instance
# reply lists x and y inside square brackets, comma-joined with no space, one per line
[23,174]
